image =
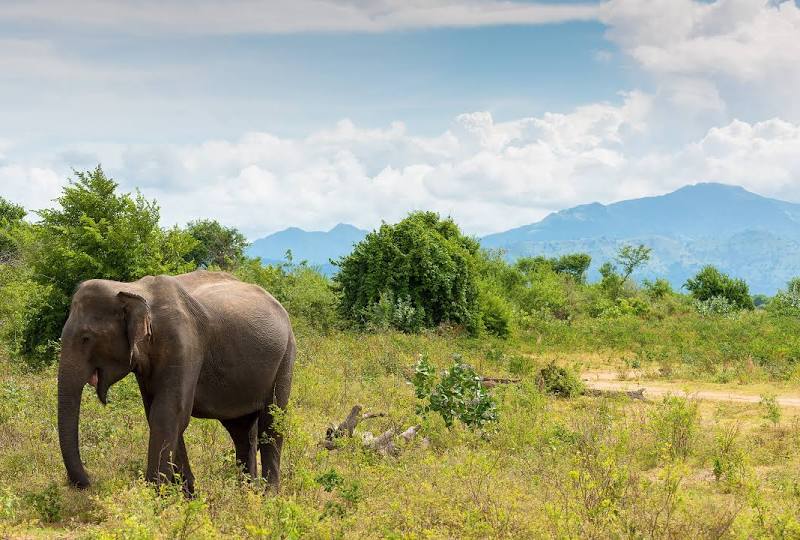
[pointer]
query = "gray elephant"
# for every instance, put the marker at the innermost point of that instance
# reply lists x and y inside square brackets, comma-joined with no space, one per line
[202,344]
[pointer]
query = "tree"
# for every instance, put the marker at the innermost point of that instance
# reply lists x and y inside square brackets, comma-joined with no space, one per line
[419,272]
[217,245]
[574,265]
[10,218]
[711,283]
[94,232]
[630,258]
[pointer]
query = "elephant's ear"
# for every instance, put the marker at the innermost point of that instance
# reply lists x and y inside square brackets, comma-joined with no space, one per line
[137,320]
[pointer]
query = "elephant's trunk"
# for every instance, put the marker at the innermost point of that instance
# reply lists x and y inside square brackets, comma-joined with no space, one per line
[70,388]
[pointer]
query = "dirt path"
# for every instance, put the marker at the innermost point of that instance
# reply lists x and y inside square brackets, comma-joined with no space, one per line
[609,380]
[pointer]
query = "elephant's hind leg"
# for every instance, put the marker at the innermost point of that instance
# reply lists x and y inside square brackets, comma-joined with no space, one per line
[243,433]
[270,439]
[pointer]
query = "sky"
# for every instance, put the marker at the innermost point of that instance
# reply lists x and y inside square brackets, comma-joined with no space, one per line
[266,114]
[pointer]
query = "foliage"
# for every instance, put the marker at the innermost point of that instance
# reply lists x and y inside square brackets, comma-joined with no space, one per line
[787,301]
[674,424]
[94,233]
[772,410]
[716,305]
[574,265]
[423,261]
[217,246]
[632,257]
[658,289]
[710,282]
[559,381]
[496,312]
[459,394]
[10,219]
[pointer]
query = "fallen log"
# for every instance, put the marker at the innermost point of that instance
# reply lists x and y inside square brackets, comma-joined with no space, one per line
[632,394]
[491,382]
[383,444]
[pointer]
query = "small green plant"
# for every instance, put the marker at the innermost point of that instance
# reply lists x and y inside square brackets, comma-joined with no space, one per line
[674,424]
[459,394]
[330,480]
[771,408]
[47,503]
[559,381]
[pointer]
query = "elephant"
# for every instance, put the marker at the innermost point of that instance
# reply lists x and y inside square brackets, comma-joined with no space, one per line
[201,344]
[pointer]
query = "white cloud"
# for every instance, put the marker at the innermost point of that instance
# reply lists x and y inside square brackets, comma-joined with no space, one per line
[704,54]
[488,175]
[286,16]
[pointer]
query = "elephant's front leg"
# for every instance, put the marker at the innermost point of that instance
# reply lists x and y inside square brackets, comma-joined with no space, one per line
[166,453]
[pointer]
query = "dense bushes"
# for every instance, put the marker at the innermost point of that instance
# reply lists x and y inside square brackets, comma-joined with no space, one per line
[711,284]
[417,273]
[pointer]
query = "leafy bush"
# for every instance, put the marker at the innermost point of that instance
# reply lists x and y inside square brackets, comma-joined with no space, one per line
[496,313]
[787,301]
[711,283]
[559,381]
[716,305]
[459,394]
[422,260]
[658,289]
[674,425]
[10,219]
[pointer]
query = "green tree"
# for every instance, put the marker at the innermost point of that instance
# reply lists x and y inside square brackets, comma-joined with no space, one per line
[423,264]
[574,265]
[630,258]
[217,245]
[94,232]
[10,219]
[711,283]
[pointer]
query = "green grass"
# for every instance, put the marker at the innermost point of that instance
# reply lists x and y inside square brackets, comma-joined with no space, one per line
[581,467]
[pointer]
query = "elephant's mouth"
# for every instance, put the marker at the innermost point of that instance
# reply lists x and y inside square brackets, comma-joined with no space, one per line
[101,386]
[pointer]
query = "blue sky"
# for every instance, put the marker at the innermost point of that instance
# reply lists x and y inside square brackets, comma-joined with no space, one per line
[312,112]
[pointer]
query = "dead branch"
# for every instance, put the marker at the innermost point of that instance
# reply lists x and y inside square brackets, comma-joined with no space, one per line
[632,394]
[383,444]
[491,382]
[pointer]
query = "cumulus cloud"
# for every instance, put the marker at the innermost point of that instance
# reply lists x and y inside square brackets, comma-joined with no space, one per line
[699,51]
[488,175]
[286,16]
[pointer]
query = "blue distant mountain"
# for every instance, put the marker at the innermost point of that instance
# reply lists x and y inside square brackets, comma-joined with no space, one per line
[744,234]
[316,247]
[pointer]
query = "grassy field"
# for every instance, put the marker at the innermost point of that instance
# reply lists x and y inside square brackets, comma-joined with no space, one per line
[551,467]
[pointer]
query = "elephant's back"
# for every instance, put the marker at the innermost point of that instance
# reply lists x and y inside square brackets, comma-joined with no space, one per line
[240,312]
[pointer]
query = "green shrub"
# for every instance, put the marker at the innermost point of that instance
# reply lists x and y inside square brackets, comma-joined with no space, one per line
[559,381]
[711,283]
[46,503]
[422,260]
[496,313]
[674,424]
[458,395]
[787,301]
[658,289]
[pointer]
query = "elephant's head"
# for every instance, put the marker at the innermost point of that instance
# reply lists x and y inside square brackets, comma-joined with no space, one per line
[105,337]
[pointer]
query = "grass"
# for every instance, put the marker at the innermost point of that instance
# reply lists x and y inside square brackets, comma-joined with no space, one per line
[581,467]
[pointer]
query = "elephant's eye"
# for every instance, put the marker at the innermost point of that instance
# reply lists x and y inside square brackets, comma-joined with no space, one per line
[85,340]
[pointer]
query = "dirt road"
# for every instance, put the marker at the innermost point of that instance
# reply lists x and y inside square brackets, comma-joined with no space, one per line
[609,380]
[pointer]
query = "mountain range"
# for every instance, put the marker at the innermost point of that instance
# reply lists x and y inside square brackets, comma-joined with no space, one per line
[742,233]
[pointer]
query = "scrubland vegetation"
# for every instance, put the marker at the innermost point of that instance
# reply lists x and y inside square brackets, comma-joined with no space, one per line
[416,314]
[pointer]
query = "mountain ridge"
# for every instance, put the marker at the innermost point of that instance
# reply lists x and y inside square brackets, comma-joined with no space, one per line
[745,234]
